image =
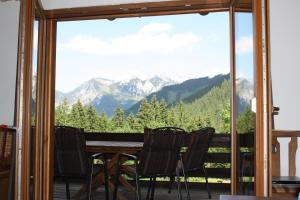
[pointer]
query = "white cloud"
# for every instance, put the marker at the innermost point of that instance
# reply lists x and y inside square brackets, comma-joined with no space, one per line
[155,27]
[244,45]
[152,38]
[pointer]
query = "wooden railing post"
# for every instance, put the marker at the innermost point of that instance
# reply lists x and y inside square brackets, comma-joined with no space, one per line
[275,157]
[293,145]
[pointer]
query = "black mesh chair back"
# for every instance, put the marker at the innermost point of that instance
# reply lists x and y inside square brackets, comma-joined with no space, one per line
[197,148]
[70,155]
[160,151]
[159,157]
[195,156]
[71,160]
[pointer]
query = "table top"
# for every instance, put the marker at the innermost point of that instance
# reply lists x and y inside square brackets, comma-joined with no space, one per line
[286,180]
[237,197]
[114,143]
[113,146]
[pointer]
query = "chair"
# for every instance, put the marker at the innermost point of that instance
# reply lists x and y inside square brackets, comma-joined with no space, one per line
[158,157]
[71,160]
[193,159]
[7,162]
[162,130]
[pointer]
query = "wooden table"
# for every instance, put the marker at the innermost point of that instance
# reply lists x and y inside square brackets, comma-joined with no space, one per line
[237,197]
[286,180]
[286,186]
[114,148]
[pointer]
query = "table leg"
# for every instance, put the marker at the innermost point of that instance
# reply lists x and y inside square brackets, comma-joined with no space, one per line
[99,180]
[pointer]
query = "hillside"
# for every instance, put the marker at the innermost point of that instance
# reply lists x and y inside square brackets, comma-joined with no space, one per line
[186,91]
[212,106]
[211,109]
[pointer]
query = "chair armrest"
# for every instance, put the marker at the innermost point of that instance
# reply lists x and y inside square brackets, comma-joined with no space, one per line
[128,156]
[98,155]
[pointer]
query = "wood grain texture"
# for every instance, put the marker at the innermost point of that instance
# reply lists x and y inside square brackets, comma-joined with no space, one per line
[275,157]
[146,9]
[233,102]
[291,190]
[40,102]
[259,79]
[286,133]
[293,145]
[26,42]
[139,9]
[48,112]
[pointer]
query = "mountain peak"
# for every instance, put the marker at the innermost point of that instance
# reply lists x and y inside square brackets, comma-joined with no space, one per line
[103,81]
[94,89]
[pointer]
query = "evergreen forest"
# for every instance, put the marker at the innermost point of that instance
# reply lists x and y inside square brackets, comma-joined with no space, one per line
[211,109]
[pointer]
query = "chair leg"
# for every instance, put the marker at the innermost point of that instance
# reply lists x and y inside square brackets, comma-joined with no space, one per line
[138,189]
[117,174]
[178,184]
[206,182]
[185,182]
[90,181]
[67,188]
[153,188]
[171,184]
[149,188]
[106,181]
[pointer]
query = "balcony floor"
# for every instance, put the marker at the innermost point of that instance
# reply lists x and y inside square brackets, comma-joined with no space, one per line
[160,193]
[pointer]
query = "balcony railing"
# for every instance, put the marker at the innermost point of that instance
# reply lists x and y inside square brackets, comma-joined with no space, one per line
[218,159]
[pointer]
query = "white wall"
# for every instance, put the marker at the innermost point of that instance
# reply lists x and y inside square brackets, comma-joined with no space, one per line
[285,67]
[9,25]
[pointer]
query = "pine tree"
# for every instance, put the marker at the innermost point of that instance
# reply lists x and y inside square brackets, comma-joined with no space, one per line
[225,115]
[131,121]
[91,119]
[103,123]
[154,109]
[119,118]
[171,117]
[163,111]
[181,118]
[144,113]
[246,121]
[62,114]
[78,115]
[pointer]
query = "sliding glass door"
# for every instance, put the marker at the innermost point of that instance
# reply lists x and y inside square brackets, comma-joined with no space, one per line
[243,100]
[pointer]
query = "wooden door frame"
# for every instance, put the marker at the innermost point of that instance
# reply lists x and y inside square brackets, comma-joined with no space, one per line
[233,166]
[46,94]
[263,128]
[262,146]
[23,98]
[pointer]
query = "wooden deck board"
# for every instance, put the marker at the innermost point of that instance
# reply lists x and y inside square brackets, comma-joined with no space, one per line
[160,193]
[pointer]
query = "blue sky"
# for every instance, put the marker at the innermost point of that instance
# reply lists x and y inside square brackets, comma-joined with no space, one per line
[177,46]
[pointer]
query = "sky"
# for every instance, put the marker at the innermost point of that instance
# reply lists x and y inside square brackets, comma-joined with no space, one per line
[179,47]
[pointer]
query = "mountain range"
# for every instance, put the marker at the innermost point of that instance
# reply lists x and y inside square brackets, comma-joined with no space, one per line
[186,91]
[105,95]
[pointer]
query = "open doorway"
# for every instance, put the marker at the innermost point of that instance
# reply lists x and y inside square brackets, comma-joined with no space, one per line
[119,76]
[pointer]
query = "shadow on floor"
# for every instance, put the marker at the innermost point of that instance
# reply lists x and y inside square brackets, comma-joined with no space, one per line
[160,193]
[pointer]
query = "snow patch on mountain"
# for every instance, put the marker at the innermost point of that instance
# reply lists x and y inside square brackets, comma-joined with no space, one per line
[120,92]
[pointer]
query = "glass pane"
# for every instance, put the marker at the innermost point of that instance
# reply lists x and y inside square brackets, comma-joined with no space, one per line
[127,74]
[245,101]
[33,103]
[158,71]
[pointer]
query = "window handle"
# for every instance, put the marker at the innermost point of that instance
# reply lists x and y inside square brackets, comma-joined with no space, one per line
[275,110]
